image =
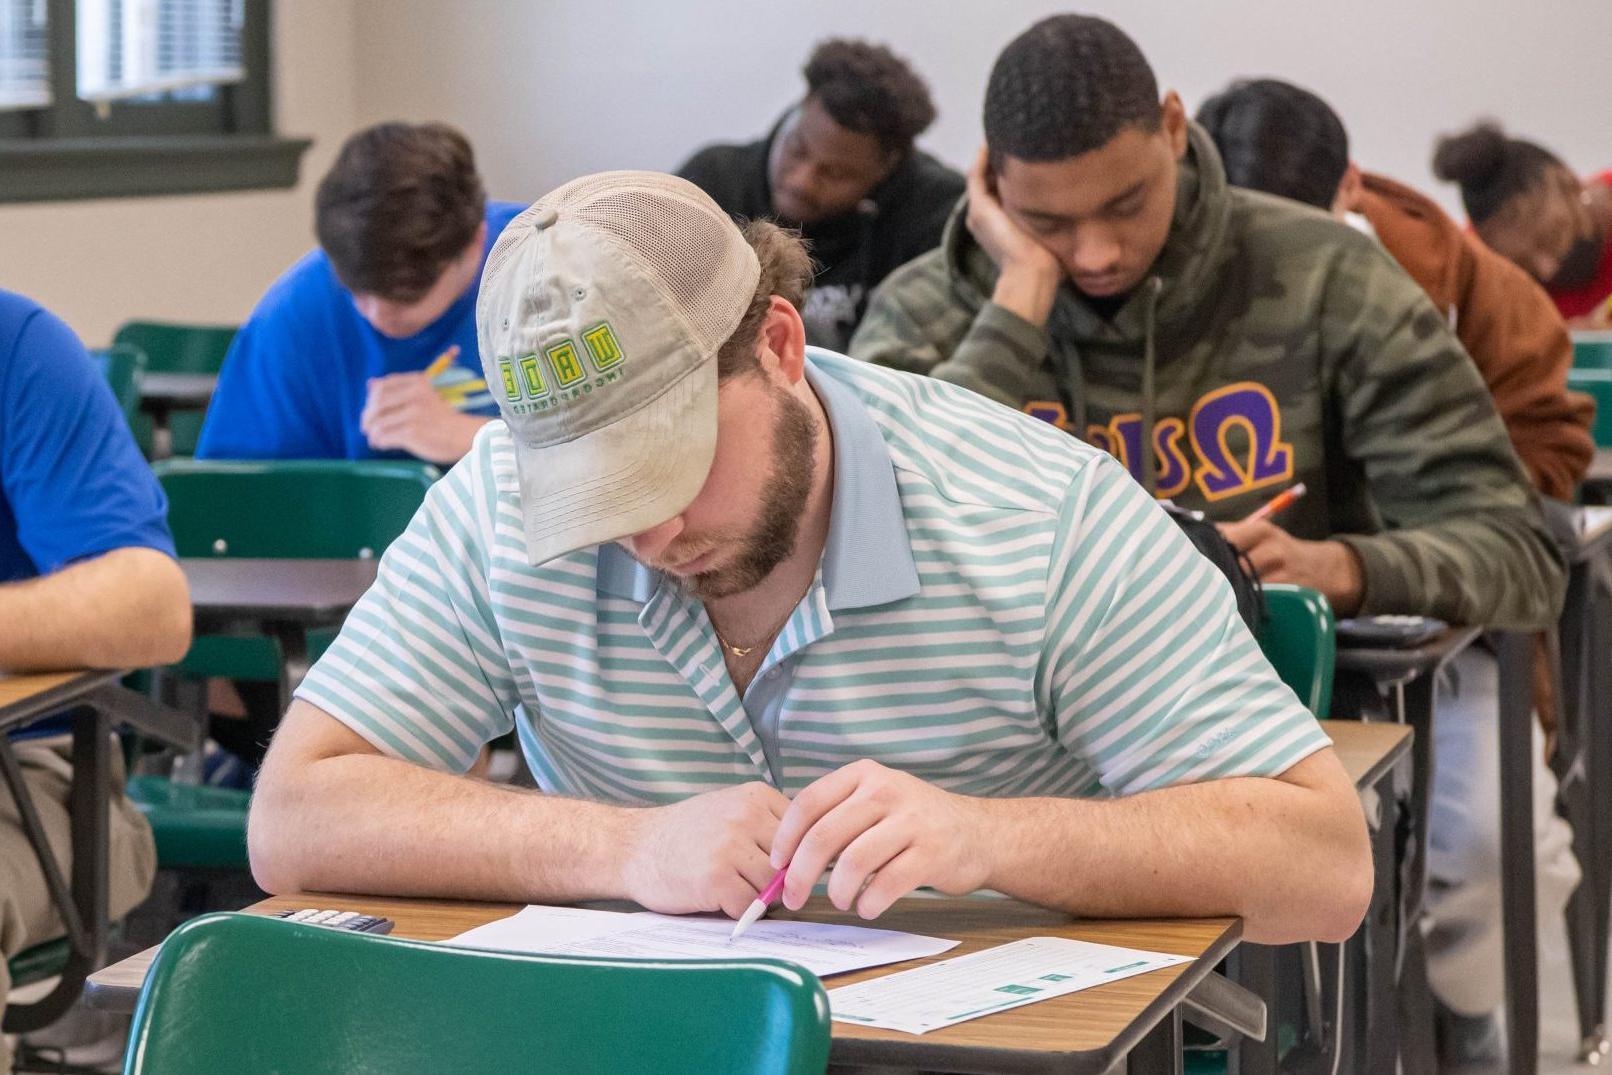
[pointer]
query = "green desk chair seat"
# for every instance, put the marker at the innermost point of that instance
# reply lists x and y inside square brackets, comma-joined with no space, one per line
[176,348]
[248,994]
[123,366]
[297,509]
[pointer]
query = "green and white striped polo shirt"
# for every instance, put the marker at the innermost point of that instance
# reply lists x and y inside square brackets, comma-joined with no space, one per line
[1001,610]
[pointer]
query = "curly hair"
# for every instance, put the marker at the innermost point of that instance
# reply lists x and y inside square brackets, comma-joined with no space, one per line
[868,89]
[1278,138]
[1066,86]
[786,271]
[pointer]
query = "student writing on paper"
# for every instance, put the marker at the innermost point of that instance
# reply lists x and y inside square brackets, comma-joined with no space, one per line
[366,347]
[746,602]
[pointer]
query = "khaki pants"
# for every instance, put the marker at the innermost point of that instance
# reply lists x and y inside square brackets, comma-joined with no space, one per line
[27,915]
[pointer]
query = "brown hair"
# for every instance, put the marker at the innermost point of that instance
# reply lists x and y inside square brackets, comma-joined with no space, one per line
[786,271]
[401,202]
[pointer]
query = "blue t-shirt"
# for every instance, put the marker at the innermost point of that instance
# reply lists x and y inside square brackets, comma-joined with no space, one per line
[72,482]
[294,383]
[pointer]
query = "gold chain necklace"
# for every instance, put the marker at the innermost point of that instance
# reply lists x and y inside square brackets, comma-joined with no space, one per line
[744,651]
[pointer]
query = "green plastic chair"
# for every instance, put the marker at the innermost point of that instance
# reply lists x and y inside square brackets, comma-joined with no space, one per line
[248,994]
[1597,384]
[176,348]
[1592,349]
[1299,637]
[298,509]
[123,366]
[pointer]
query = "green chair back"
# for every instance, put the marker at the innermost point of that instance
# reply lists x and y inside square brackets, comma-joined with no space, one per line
[123,366]
[248,995]
[1299,637]
[1597,384]
[1592,349]
[176,348]
[284,509]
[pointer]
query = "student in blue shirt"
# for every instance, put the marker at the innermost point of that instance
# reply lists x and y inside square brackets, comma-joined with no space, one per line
[366,347]
[87,580]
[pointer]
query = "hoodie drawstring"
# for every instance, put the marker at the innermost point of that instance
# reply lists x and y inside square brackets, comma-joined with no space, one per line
[1150,465]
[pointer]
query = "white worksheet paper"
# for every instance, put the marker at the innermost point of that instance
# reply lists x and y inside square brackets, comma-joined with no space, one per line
[576,931]
[982,983]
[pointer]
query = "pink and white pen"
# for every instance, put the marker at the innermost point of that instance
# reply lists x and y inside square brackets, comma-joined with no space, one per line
[758,906]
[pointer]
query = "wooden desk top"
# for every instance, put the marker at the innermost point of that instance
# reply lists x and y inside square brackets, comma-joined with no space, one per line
[26,697]
[1368,750]
[250,592]
[1081,1032]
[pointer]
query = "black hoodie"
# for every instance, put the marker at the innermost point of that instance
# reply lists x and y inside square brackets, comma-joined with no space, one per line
[901,218]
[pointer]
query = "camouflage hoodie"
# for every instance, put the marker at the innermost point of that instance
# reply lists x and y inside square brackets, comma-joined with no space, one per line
[1269,345]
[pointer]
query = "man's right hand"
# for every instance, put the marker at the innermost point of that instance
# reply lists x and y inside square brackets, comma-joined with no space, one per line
[706,853]
[1028,273]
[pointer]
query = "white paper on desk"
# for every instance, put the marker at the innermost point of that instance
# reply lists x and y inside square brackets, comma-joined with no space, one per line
[982,983]
[575,931]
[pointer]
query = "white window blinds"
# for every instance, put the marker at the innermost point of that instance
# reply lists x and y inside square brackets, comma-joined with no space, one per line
[24,75]
[135,48]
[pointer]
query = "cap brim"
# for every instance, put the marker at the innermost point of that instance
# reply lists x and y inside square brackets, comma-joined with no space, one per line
[631,475]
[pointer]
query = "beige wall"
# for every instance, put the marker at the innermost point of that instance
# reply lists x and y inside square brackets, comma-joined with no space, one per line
[198,258]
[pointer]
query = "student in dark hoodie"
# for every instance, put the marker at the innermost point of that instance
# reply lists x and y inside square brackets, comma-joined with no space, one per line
[1225,345]
[841,167]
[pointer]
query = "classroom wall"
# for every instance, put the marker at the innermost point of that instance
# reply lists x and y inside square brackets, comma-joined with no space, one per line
[194,258]
[552,90]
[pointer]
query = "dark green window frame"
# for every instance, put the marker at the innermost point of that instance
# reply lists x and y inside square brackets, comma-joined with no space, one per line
[70,150]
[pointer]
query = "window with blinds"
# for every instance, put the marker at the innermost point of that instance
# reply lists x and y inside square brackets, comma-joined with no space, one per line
[24,63]
[137,48]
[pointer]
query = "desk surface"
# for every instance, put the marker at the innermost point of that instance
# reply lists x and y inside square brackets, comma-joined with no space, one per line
[1398,663]
[1367,751]
[309,592]
[177,389]
[26,697]
[1082,1032]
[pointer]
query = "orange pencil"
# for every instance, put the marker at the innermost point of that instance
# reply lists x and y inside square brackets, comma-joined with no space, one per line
[1279,502]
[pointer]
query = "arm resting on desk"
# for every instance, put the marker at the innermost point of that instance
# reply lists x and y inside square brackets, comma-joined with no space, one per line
[128,608]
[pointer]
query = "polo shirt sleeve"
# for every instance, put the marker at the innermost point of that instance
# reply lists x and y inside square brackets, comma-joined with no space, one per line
[72,475]
[1152,678]
[419,668]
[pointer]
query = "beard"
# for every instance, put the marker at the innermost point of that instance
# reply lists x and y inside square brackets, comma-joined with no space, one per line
[783,506]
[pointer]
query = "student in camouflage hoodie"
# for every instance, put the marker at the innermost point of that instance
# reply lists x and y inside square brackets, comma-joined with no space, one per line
[1225,345]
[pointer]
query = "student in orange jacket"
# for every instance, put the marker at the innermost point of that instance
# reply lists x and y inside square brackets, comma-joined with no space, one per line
[1284,140]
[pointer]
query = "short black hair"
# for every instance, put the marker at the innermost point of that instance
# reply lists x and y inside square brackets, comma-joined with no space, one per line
[1278,138]
[1490,168]
[1066,86]
[868,89]
[400,203]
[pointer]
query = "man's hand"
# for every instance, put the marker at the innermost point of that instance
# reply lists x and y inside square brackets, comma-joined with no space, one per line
[706,853]
[1328,566]
[891,833]
[404,412]
[1029,274]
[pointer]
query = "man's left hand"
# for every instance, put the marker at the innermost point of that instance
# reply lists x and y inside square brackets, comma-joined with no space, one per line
[1328,566]
[891,833]
[405,413]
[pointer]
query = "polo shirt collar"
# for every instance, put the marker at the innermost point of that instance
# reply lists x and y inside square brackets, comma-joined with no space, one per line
[867,559]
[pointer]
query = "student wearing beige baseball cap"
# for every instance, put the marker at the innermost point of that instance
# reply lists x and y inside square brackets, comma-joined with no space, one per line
[751,605]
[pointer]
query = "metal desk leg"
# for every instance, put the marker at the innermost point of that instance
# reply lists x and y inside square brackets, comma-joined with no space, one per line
[293,659]
[162,437]
[1415,1001]
[1518,914]
[1159,1051]
[1598,732]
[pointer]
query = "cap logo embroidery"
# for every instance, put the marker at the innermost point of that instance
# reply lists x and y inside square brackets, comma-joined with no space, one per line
[528,389]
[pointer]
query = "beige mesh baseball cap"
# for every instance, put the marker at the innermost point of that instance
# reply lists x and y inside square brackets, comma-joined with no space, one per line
[601,311]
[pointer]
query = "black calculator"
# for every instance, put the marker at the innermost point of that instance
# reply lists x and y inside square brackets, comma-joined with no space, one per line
[348,920]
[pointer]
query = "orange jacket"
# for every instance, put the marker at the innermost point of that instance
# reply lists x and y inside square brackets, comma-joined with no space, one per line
[1505,321]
